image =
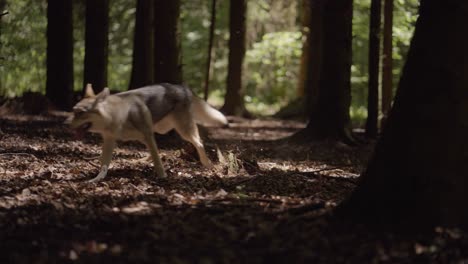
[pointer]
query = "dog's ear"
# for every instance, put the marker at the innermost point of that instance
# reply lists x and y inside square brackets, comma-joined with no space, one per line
[89,91]
[102,95]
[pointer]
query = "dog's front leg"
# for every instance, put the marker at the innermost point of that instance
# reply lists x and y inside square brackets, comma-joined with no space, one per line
[106,156]
[153,149]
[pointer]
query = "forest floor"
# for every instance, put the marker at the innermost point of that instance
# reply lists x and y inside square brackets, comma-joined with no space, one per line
[264,201]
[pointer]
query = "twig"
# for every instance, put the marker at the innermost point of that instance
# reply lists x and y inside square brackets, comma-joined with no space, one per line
[19,154]
[305,208]
[4,13]
[94,164]
[248,199]
[90,158]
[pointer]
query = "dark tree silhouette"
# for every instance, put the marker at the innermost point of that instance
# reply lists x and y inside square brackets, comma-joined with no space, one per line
[167,58]
[418,172]
[59,85]
[143,47]
[330,71]
[234,99]
[96,44]
[374,69]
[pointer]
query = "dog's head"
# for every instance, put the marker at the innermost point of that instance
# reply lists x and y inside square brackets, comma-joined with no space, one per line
[87,113]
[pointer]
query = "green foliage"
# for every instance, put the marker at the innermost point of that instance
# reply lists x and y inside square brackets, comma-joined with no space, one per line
[272,66]
[405,15]
[195,24]
[23,47]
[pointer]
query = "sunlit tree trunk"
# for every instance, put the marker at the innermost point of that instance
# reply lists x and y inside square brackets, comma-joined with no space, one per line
[374,69]
[418,173]
[143,47]
[167,57]
[59,85]
[387,74]
[234,99]
[329,106]
[96,44]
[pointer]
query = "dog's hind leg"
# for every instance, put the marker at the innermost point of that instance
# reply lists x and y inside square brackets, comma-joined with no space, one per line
[188,130]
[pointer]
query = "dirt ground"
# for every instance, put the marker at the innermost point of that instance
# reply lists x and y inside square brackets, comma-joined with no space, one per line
[265,201]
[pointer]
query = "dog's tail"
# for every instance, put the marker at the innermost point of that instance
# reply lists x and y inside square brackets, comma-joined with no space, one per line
[206,115]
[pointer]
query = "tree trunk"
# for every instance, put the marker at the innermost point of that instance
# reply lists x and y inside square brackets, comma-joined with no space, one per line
[315,56]
[418,172]
[210,48]
[374,69]
[387,71]
[329,106]
[143,47]
[167,58]
[59,85]
[234,99]
[306,31]
[96,44]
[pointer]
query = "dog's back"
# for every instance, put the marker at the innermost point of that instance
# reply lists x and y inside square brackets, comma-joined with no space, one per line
[162,98]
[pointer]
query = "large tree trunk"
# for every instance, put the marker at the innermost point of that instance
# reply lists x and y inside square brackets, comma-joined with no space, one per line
[59,86]
[143,47]
[418,172]
[329,106]
[374,69]
[167,57]
[96,44]
[234,99]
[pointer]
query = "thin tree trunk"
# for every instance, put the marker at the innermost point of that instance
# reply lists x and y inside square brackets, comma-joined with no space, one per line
[59,85]
[387,74]
[167,57]
[234,99]
[374,69]
[210,48]
[418,172]
[143,46]
[2,13]
[96,44]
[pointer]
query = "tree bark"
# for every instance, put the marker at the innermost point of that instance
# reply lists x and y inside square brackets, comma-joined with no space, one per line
[96,44]
[374,69]
[306,31]
[234,99]
[328,106]
[210,48]
[418,172]
[387,64]
[143,47]
[167,57]
[59,84]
